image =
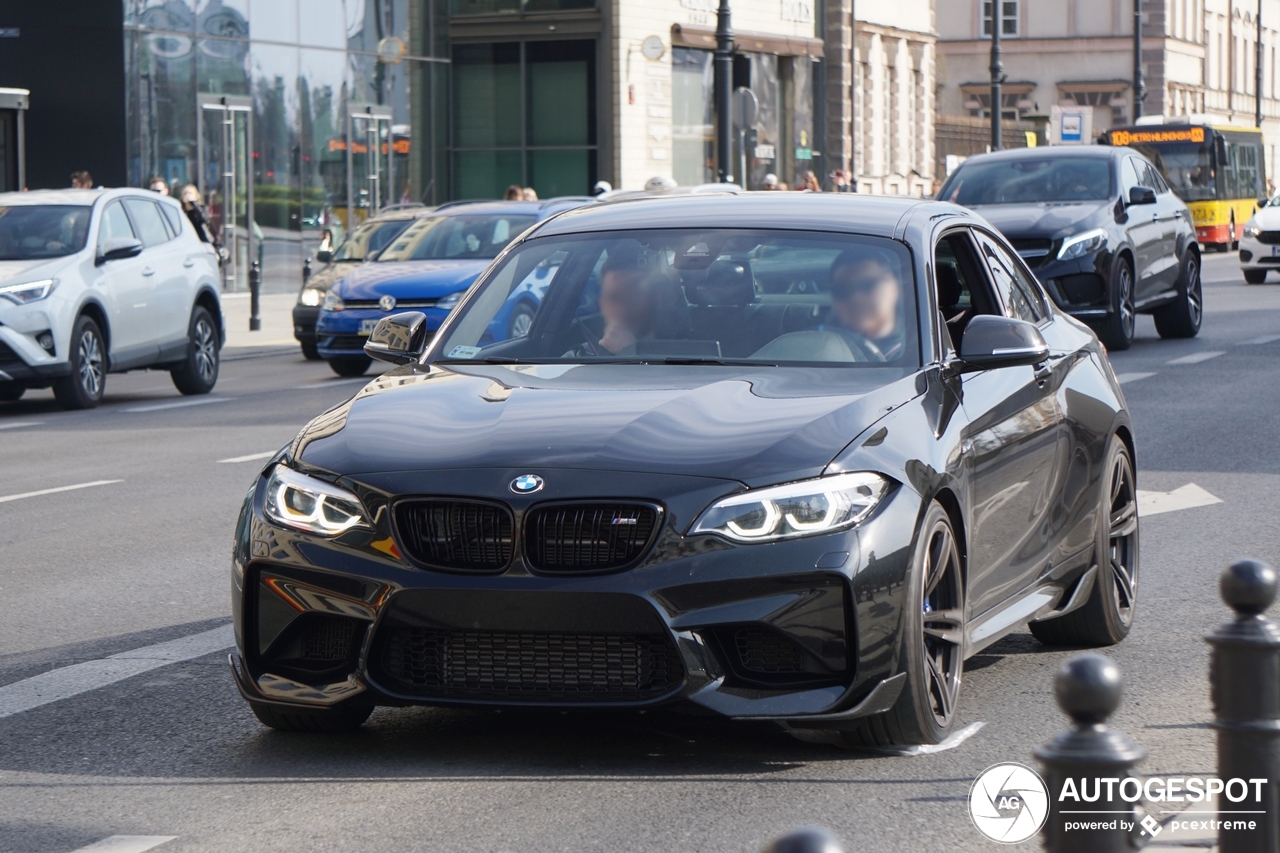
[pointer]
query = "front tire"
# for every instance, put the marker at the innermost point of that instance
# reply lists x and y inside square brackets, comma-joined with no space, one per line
[11,392]
[1182,319]
[1255,276]
[199,372]
[1117,329]
[350,365]
[326,720]
[1105,619]
[932,643]
[310,351]
[83,389]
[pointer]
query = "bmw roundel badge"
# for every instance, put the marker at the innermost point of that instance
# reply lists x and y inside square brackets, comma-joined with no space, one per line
[387,302]
[526,484]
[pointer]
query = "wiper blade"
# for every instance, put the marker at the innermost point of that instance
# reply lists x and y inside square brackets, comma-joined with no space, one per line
[728,362]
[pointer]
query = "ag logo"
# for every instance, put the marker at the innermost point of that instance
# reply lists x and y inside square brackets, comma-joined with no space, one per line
[387,302]
[526,484]
[1008,803]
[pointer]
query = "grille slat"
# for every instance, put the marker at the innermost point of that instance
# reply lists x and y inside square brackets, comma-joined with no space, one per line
[458,535]
[1270,238]
[529,667]
[572,538]
[328,640]
[761,650]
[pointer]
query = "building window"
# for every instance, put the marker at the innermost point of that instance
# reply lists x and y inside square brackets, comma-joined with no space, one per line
[692,117]
[1015,98]
[1110,106]
[1008,15]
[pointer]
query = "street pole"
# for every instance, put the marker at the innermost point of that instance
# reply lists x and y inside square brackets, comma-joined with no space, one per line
[1257,72]
[1139,85]
[853,95]
[997,77]
[723,93]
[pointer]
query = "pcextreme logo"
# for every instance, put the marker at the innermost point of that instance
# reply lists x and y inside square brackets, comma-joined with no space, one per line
[1008,802]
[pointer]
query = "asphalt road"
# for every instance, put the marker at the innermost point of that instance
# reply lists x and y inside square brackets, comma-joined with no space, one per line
[107,569]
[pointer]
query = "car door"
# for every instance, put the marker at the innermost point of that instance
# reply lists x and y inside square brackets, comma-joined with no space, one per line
[1013,442]
[1146,234]
[1169,216]
[167,313]
[125,288]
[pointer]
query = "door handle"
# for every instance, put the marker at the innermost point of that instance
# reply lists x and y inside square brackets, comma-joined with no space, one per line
[189,262]
[148,271]
[1155,217]
[1177,214]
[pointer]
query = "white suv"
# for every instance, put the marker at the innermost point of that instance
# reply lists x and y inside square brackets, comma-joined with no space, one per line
[103,281]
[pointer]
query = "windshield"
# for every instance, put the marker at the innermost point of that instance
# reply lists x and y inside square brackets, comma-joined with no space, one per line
[29,232]
[691,297]
[1187,167]
[1029,180]
[370,237]
[435,238]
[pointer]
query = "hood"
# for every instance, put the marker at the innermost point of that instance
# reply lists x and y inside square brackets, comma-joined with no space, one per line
[1045,219]
[409,279]
[18,271]
[1267,218]
[754,425]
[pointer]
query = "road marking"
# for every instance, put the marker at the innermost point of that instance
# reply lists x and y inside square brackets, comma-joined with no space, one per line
[126,844]
[1122,378]
[1197,357]
[1187,497]
[7,498]
[20,424]
[80,678]
[181,404]
[251,457]
[1265,339]
[330,383]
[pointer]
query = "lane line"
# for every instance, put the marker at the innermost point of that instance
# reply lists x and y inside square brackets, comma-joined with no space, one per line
[126,844]
[251,457]
[6,498]
[1265,339]
[1197,357]
[78,678]
[330,383]
[1187,497]
[181,404]
[20,424]
[1122,378]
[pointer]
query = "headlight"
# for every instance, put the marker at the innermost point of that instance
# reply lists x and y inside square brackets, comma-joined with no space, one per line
[311,296]
[796,509]
[1251,230]
[29,291]
[1082,244]
[332,302]
[305,503]
[451,301]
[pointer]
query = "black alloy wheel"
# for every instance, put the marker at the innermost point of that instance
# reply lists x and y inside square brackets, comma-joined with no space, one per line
[198,373]
[1117,330]
[1182,318]
[933,627]
[1107,615]
[83,388]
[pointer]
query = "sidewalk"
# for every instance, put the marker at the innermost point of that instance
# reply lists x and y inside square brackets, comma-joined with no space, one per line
[276,312]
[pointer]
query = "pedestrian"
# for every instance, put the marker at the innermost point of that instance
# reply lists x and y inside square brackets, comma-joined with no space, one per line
[771,182]
[193,206]
[81,180]
[783,186]
[601,188]
[840,182]
[514,193]
[529,194]
[159,185]
[810,183]
[659,184]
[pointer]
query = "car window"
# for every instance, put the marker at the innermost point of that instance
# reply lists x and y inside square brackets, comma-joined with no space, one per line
[478,236]
[148,221]
[960,285]
[1156,181]
[370,237]
[1025,180]
[1148,177]
[1129,175]
[1019,295]
[681,296]
[174,217]
[115,224]
[31,231]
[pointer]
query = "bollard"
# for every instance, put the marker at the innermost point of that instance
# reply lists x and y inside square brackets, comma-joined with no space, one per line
[306,270]
[806,839]
[255,285]
[1089,688]
[1244,684]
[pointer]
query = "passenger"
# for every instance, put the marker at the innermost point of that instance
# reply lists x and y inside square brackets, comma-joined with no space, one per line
[865,293]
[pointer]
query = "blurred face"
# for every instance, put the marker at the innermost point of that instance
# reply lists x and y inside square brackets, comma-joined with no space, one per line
[189,195]
[627,300]
[864,298]
[160,187]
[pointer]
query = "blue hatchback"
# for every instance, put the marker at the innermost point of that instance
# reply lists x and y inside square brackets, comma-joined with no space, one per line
[427,268]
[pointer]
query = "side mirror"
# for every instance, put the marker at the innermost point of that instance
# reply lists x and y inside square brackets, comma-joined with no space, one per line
[399,339]
[119,247]
[324,256]
[991,342]
[1262,202]
[1142,195]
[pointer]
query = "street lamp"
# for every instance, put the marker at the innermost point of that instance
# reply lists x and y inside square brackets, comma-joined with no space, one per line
[1257,72]
[723,91]
[997,76]
[1139,85]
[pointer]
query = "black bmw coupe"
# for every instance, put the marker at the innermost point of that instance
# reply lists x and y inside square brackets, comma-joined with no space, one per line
[784,457]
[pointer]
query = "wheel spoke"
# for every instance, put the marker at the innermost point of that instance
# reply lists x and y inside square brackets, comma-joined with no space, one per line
[942,688]
[945,625]
[1124,521]
[939,560]
[1125,584]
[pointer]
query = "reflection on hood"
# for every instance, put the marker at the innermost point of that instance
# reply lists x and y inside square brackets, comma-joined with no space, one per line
[409,279]
[1045,219]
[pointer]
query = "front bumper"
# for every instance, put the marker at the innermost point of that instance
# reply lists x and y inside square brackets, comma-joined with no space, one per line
[804,632]
[24,361]
[1256,255]
[338,333]
[304,323]
[1080,286]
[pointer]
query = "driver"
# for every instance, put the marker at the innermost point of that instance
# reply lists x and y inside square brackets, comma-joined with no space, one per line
[628,303]
[865,292]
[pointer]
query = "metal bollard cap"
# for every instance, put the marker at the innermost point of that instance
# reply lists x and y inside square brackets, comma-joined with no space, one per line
[1248,587]
[806,839]
[1088,688]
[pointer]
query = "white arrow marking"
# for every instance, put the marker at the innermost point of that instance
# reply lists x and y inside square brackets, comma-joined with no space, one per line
[1190,495]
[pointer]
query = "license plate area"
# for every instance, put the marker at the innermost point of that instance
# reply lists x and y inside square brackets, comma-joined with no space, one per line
[367,326]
